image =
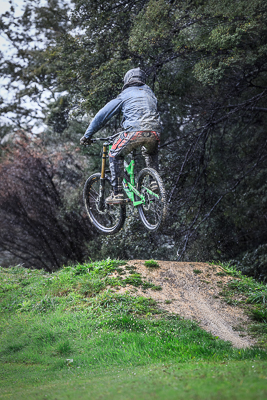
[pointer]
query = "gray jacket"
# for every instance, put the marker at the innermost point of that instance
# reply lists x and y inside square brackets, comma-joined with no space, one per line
[139,107]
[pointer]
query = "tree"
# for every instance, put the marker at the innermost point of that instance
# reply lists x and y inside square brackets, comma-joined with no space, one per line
[37,224]
[206,62]
[28,74]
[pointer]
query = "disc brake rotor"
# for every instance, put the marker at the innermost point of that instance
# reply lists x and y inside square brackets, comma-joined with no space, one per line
[98,209]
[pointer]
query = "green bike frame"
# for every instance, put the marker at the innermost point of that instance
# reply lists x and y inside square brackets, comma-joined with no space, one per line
[129,187]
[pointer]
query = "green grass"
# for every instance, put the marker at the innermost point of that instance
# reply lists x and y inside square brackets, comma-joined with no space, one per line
[197,271]
[242,380]
[253,300]
[69,335]
[151,264]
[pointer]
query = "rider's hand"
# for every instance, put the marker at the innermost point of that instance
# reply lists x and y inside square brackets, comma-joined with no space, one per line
[84,141]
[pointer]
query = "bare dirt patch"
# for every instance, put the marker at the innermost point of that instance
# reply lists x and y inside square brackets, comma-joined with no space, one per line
[192,291]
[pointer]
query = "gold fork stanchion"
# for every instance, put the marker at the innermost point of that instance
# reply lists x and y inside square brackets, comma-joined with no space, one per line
[104,157]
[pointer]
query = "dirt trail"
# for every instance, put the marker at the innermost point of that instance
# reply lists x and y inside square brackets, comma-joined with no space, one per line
[195,295]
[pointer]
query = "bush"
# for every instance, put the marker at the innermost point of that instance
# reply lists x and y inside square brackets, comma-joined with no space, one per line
[37,226]
[152,264]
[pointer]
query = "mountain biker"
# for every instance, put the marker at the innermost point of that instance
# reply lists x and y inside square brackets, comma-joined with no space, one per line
[141,125]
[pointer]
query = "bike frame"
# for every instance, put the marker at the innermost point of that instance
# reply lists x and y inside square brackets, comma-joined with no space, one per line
[129,187]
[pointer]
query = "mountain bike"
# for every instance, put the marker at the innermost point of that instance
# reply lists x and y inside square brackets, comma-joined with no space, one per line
[109,219]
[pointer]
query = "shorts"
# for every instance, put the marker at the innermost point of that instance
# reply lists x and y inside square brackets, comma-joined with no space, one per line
[128,141]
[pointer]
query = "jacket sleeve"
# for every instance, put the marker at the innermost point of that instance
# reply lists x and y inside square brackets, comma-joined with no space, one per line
[103,116]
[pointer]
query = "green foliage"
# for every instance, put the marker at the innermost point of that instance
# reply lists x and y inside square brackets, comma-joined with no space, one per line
[256,291]
[102,335]
[152,28]
[136,280]
[58,115]
[206,61]
[77,285]
[238,379]
[230,270]
[168,302]
[258,297]
[254,297]
[247,285]
[151,264]
[197,271]
[259,314]
[64,348]
[51,316]
[253,262]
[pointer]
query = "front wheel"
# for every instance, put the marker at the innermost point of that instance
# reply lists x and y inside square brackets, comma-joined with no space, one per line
[154,211]
[108,219]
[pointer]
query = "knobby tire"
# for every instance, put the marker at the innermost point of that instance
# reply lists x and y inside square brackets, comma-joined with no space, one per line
[109,220]
[153,213]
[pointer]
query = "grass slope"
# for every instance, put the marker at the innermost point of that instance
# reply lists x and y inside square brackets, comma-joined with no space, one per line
[250,295]
[70,335]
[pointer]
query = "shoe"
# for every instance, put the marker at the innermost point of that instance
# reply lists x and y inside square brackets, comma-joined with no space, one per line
[115,199]
[154,187]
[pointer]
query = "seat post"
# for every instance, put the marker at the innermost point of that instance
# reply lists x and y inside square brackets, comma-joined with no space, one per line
[133,154]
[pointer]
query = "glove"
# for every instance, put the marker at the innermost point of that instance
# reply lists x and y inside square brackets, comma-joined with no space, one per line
[84,141]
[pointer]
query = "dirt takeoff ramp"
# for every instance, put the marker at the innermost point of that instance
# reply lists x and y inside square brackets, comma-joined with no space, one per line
[192,290]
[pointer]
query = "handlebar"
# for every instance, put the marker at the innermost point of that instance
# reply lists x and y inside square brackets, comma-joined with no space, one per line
[108,139]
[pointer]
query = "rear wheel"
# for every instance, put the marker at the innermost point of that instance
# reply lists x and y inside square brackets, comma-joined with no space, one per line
[108,219]
[153,212]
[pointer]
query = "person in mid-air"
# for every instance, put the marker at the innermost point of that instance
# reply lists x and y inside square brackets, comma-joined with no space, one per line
[141,124]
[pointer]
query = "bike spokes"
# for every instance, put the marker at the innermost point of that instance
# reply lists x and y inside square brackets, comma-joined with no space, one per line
[106,218]
[153,211]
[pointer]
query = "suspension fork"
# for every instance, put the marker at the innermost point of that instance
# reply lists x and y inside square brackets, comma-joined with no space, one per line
[102,178]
